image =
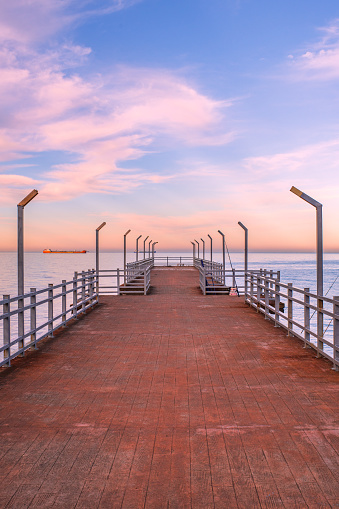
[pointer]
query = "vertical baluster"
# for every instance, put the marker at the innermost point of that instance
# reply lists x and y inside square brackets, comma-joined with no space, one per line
[320,324]
[145,281]
[307,322]
[335,332]
[50,309]
[64,302]
[21,324]
[118,281]
[75,295]
[6,309]
[266,297]
[33,316]
[277,301]
[289,309]
[258,290]
[83,290]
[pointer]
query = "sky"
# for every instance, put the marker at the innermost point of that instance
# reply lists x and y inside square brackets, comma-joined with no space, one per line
[172,118]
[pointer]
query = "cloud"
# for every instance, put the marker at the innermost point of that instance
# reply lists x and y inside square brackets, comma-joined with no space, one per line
[320,61]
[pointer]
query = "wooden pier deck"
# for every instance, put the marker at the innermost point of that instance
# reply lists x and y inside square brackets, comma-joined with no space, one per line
[170,400]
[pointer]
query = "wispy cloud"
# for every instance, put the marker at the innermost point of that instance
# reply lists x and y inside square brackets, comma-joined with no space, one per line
[320,60]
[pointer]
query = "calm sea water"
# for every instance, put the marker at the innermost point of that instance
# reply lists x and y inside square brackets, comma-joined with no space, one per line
[42,269]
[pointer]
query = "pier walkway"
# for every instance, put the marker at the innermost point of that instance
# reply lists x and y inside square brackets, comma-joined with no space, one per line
[170,400]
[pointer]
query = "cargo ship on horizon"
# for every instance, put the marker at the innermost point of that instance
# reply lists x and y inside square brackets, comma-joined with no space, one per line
[54,251]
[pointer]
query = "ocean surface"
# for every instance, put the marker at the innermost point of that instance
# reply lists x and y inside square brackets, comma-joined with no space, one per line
[42,269]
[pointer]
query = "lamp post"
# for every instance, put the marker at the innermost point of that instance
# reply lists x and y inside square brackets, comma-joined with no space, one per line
[21,206]
[125,256]
[320,275]
[145,246]
[211,247]
[223,254]
[198,247]
[203,248]
[153,248]
[246,252]
[137,251]
[97,253]
[193,244]
[149,249]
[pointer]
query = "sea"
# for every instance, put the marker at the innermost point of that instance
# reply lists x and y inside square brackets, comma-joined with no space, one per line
[42,269]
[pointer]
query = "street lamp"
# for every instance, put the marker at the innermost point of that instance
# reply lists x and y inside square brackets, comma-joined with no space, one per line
[198,247]
[203,248]
[223,254]
[211,247]
[320,274]
[137,251]
[193,244]
[97,253]
[149,249]
[21,206]
[145,247]
[246,252]
[153,248]
[125,256]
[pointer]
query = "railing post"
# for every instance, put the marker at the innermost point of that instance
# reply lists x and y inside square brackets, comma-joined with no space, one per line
[289,309]
[258,290]
[75,295]
[50,309]
[90,287]
[307,321]
[64,302]
[320,324]
[277,301]
[83,290]
[21,324]
[118,281]
[204,276]
[145,281]
[335,332]
[266,296]
[6,309]
[33,316]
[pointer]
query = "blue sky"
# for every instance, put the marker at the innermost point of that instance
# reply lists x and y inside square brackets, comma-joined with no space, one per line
[170,118]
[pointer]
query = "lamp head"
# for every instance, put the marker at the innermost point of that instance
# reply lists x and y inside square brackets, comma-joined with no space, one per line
[28,198]
[101,226]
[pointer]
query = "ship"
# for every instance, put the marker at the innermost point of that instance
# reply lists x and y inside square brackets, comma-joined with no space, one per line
[50,251]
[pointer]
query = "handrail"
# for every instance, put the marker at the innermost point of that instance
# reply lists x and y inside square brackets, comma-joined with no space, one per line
[266,294]
[43,316]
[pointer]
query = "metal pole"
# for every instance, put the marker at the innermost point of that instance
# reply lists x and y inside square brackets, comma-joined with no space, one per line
[246,252]
[203,248]
[97,254]
[125,256]
[193,251]
[223,255]
[320,263]
[145,246]
[211,247]
[137,250]
[20,250]
[149,249]
[198,247]
[153,248]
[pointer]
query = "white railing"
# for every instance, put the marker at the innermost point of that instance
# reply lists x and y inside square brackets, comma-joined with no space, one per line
[36,315]
[112,282]
[173,261]
[313,319]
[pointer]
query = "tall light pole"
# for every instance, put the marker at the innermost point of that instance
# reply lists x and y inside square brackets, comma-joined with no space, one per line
[153,248]
[211,247]
[149,249]
[246,252]
[97,253]
[203,248]
[145,247]
[21,207]
[320,271]
[125,256]
[223,254]
[198,247]
[136,250]
[193,244]
[21,285]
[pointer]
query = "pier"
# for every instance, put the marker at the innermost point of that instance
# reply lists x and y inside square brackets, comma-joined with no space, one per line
[171,399]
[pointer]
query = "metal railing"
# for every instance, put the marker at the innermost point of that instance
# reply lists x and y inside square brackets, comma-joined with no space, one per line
[173,261]
[136,280]
[313,319]
[36,315]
